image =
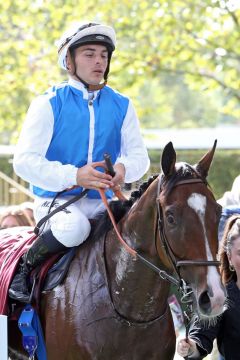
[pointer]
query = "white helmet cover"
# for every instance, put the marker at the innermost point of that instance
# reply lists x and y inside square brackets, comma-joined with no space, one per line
[82,31]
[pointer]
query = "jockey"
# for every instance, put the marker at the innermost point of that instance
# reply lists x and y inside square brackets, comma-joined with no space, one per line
[67,130]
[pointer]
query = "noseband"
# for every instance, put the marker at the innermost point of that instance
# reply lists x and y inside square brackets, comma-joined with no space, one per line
[170,254]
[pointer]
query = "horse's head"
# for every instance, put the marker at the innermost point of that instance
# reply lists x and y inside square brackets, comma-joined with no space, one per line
[188,222]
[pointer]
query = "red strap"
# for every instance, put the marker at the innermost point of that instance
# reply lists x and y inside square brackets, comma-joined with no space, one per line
[119,195]
[104,199]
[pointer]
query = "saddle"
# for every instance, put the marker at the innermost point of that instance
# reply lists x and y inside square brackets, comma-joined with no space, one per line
[51,273]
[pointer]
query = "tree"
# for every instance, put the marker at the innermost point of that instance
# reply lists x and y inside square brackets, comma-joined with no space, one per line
[165,49]
[196,39]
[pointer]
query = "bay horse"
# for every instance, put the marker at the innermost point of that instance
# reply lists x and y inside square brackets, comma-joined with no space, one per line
[111,305]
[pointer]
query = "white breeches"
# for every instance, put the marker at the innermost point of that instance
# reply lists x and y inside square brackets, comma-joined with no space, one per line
[70,226]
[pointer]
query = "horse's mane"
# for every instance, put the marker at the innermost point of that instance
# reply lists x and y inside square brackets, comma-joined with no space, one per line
[119,208]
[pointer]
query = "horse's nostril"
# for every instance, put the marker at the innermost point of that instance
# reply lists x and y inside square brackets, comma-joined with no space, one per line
[205,303]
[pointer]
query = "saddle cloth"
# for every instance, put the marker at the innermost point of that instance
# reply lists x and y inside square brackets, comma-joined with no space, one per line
[14,242]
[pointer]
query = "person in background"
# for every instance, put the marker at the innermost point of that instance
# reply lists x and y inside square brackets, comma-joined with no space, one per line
[230,203]
[67,131]
[14,216]
[232,197]
[227,212]
[226,328]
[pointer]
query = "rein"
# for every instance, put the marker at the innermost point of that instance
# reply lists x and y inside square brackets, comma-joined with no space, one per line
[170,254]
[108,168]
[59,208]
[180,283]
[163,274]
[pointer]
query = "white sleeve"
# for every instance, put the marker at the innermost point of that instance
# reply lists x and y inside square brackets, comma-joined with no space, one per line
[134,154]
[29,158]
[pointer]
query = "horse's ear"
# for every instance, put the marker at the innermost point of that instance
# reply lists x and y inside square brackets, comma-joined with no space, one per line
[204,164]
[168,159]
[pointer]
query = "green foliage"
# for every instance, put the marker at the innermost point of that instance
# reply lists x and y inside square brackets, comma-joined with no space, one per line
[178,60]
[170,103]
[224,169]
[6,166]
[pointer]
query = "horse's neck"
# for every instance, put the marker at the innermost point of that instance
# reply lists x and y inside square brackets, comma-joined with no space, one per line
[137,291]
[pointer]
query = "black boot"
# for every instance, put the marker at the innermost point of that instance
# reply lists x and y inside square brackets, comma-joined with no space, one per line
[41,250]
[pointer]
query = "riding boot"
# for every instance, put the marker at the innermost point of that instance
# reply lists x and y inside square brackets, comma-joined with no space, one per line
[45,245]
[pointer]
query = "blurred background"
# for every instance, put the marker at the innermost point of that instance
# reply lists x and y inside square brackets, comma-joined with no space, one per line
[179,61]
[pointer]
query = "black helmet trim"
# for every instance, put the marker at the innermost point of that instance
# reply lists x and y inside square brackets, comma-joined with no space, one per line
[94,39]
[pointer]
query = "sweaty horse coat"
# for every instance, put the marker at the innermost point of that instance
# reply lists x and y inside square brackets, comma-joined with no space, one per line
[111,306]
[107,334]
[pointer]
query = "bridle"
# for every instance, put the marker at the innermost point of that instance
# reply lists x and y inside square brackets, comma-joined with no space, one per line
[186,291]
[166,245]
[176,264]
[161,229]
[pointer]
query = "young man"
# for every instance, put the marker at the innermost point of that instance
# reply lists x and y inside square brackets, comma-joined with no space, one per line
[68,130]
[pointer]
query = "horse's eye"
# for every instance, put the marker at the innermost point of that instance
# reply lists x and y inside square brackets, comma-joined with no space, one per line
[170,219]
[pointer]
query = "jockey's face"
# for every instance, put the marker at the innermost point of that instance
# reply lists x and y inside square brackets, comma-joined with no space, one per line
[91,62]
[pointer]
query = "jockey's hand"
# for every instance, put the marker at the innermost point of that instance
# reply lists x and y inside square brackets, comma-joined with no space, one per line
[90,178]
[119,177]
[187,348]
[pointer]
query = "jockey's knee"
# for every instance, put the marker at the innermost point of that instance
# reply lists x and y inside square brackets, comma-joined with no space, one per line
[71,230]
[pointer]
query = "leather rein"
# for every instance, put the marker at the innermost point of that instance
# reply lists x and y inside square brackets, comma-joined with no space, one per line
[167,247]
[185,289]
[161,229]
